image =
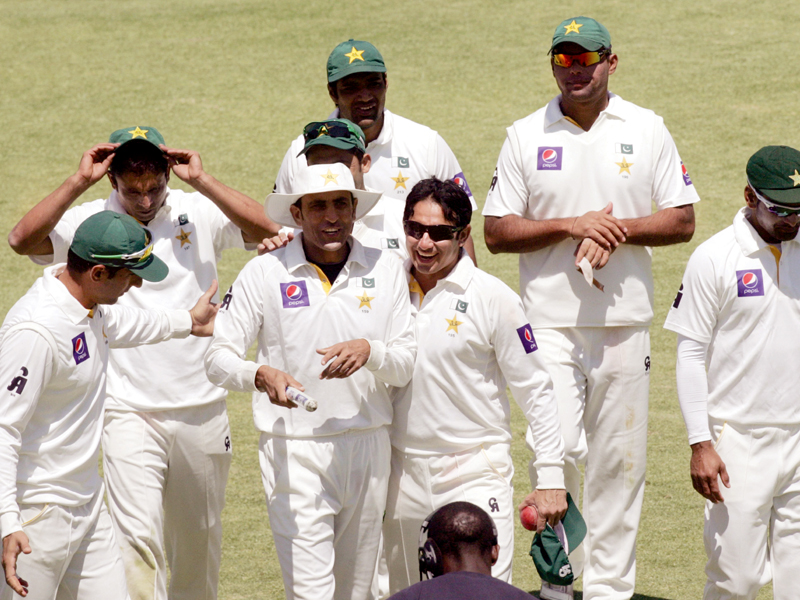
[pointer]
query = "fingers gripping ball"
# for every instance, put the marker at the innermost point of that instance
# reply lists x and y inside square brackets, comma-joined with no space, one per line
[529,518]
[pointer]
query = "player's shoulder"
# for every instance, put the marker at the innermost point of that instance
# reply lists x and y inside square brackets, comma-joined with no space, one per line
[489,285]
[87,209]
[410,132]
[633,112]
[721,242]
[535,120]
[36,305]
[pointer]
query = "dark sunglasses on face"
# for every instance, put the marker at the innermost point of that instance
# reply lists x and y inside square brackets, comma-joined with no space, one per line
[585,59]
[437,233]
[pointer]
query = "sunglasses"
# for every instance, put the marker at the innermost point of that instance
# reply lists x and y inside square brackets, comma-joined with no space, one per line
[338,130]
[437,233]
[585,59]
[138,256]
[778,211]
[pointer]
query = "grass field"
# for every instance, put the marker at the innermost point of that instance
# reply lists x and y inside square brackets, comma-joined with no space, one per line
[237,80]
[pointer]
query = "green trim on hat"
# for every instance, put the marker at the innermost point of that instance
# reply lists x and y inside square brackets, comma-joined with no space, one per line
[118,240]
[547,552]
[329,134]
[137,132]
[354,56]
[775,172]
[584,31]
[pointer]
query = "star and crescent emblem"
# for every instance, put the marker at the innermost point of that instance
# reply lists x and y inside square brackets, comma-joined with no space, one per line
[184,237]
[355,55]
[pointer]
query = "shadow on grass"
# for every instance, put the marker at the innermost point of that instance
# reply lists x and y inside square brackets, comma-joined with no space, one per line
[579,596]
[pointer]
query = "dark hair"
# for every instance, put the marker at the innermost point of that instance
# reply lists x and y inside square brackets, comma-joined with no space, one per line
[76,264]
[447,194]
[138,157]
[460,528]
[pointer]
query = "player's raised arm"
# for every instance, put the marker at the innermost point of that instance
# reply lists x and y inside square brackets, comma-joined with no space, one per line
[30,235]
[247,214]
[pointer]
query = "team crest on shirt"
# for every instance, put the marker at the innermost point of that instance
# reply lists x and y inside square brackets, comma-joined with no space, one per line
[549,158]
[401,162]
[79,349]
[452,324]
[294,294]
[459,305]
[525,334]
[390,243]
[183,219]
[366,282]
[623,148]
[461,182]
[364,301]
[749,283]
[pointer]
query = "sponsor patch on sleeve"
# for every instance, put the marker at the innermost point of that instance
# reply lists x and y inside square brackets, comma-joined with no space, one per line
[461,181]
[525,334]
[686,179]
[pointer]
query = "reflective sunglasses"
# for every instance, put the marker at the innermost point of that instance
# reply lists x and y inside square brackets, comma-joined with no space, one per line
[338,130]
[585,59]
[138,256]
[437,233]
[778,211]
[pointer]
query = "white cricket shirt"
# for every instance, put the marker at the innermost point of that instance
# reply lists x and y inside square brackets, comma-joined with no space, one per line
[288,305]
[403,154]
[189,234]
[53,358]
[550,168]
[474,339]
[742,297]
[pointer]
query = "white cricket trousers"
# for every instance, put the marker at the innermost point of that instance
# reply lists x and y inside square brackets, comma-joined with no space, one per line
[74,554]
[166,473]
[755,533]
[326,496]
[419,485]
[601,379]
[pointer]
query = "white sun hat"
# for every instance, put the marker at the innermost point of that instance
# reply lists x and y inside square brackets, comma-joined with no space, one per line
[316,179]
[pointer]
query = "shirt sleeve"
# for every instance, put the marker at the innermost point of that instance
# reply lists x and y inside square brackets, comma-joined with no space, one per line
[392,360]
[64,231]
[530,384]
[508,193]
[26,366]
[127,326]
[445,166]
[286,174]
[695,310]
[235,329]
[672,185]
[692,379]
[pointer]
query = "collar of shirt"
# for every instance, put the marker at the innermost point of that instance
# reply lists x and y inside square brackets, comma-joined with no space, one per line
[747,237]
[74,310]
[296,257]
[116,205]
[460,276]
[553,114]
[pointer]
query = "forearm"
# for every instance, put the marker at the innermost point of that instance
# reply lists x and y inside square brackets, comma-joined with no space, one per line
[127,326]
[663,228]
[226,368]
[692,380]
[247,214]
[10,520]
[30,235]
[515,234]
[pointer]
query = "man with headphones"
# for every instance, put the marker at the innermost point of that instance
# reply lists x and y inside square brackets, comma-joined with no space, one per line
[457,548]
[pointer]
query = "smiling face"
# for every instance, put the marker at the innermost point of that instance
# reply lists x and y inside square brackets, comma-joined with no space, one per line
[579,84]
[772,228]
[327,221]
[360,98]
[431,260]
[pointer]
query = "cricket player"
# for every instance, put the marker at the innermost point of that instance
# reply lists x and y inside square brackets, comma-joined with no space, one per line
[737,316]
[58,540]
[331,318]
[166,440]
[575,182]
[402,152]
[451,434]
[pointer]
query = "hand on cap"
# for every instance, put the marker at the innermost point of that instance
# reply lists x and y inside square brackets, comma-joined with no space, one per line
[274,383]
[601,226]
[345,358]
[186,164]
[13,544]
[204,312]
[268,245]
[706,465]
[551,505]
[95,162]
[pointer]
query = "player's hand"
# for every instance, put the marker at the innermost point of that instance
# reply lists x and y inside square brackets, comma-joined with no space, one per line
[95,162]
[551,505]
[274,383]
[601,226]
[706,466]
[270,244]
[186,164]
[13,544]
[596,254]
[204,312]
[345,358]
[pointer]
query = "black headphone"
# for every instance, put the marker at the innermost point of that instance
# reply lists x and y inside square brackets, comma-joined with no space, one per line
[431,562]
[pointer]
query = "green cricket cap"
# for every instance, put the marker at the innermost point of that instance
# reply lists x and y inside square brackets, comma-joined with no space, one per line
[585,32]
[354,56]
[137,132]
[337,133]
[549,556]
[117,240]
[775,172]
